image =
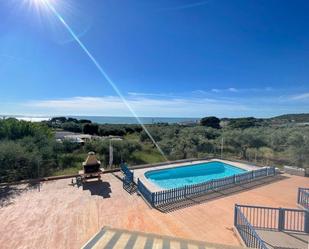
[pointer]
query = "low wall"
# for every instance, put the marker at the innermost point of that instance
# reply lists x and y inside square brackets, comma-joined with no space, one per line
[52,178]
[294,170]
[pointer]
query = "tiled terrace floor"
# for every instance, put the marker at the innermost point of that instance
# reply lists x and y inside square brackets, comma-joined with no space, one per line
[63,216]
[284,240]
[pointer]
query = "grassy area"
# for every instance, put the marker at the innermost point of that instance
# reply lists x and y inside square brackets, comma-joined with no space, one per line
[132,137]
[147,156]
[67,171]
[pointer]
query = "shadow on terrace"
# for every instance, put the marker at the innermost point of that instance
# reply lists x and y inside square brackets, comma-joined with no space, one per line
[99,188]
[9,192]
[217,194]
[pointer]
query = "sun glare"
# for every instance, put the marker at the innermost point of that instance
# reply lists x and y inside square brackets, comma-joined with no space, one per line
[39,5]
[50,6]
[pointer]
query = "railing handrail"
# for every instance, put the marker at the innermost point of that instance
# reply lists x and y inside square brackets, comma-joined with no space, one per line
[304,189]
[273,208]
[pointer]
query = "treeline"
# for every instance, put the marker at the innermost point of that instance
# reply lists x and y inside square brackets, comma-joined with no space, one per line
[263,144]
[290,118]
[22,145]
[87,127]
[30,150]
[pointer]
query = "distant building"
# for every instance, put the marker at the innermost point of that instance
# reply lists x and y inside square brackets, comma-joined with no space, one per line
[82,138]
[61,134]
[189,123]
[78,138]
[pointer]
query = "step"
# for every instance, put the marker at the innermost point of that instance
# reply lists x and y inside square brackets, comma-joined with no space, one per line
[110,238]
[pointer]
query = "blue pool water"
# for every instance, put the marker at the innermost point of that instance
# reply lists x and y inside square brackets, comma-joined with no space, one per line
[191,174]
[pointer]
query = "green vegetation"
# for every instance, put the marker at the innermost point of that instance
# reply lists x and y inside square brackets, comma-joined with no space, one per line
[299,118]
[87,127]
[243,123]
[30,150]
[212,122]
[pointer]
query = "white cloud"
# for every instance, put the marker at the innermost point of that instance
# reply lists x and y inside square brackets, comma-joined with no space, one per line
[303,96]
[143,106]
[232,89]
[215,90]
[185,6]
[150,94]
[236,90]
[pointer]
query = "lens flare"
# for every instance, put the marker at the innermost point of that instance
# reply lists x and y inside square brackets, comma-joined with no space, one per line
[39,4]
[50,6]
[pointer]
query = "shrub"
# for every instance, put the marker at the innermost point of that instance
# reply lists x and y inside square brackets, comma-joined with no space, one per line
[212,122]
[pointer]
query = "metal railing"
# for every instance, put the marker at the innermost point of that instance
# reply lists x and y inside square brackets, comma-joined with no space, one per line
[276,219]
[148,196]
[176,194]
[303,197]
[246,230]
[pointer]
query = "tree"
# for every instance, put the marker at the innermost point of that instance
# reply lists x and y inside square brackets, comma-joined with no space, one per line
[58,120]
[16,162]
[156,132]
[212,122]
[106,130]
[299,148]
[85,121]
[241,140]
[243,123]
[14,129]
[74,120]
[90,129]
[71,126]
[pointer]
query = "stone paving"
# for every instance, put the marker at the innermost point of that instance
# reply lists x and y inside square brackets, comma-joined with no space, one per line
[63,216]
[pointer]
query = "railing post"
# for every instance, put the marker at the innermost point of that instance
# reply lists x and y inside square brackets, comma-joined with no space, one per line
[281,219]
[235,215]
[138,184]
[152,199]
[267,171]
[306,226]
[298,195]
[273,171]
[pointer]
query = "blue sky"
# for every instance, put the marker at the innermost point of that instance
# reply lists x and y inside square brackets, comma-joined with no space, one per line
[172,58]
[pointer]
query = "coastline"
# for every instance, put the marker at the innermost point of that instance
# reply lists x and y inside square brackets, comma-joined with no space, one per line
[109,119]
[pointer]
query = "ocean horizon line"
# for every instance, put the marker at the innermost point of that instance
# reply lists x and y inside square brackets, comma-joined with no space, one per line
[106,119]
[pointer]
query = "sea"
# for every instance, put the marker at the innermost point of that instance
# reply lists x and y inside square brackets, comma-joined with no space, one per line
[112,120]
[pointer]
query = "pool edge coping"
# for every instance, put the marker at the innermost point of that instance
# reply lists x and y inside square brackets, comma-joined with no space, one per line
[140,173]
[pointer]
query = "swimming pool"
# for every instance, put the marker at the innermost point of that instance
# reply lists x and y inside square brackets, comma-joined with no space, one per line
[191,174]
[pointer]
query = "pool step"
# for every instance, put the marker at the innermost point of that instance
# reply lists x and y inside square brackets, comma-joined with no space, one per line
[109,238]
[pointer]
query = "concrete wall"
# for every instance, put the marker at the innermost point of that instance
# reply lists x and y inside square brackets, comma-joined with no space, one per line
[294,170]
